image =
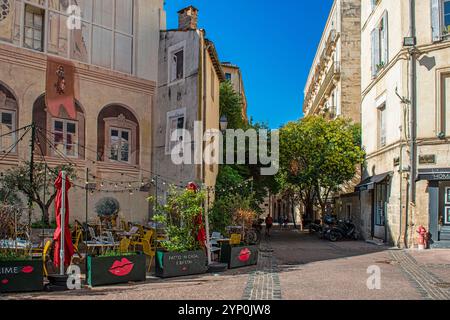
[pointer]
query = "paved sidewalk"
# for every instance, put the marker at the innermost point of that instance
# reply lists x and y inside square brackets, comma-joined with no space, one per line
[297,266]
[311,268]
[264,284]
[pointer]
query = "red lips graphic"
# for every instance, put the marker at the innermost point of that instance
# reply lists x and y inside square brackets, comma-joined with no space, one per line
[5,281]
[122,268]
[244,255]
[27,269]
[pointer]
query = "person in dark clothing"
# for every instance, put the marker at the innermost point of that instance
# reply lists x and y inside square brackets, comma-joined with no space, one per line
[269,224]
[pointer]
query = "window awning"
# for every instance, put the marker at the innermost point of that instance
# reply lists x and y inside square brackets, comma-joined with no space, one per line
[369,183]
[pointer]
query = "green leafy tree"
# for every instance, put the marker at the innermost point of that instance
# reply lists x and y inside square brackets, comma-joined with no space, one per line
[231,106]
[179,216]
[318,156]
[41,191]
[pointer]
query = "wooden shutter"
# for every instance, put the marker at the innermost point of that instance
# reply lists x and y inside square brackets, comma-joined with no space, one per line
[173,68]
[436,20]
[374,59]
[375,50]
[385,39]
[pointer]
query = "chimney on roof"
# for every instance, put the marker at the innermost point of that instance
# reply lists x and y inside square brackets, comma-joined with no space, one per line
[188,18]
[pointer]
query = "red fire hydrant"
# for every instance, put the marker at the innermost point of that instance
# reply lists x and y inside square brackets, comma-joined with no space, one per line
[423,238]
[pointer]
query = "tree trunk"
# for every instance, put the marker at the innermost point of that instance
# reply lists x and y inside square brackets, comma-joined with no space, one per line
[309,209]
[45,214]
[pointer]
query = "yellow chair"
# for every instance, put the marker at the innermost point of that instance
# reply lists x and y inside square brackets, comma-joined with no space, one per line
[150,251]
[45,254]
[124,226]
[124,245]
[148,237]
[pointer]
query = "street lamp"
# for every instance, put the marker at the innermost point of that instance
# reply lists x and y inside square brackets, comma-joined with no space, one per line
[223,123]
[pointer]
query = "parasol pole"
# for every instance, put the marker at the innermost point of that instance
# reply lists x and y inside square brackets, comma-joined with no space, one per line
[208,241]
[63,219]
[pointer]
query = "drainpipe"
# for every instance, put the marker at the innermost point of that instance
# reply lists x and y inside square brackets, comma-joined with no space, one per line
[202,173]
[413,113]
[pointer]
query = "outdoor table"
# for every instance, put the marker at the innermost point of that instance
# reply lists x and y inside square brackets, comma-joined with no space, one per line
[101,246]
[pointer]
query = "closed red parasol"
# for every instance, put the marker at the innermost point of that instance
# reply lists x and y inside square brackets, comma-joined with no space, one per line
[68,246]
[201,235]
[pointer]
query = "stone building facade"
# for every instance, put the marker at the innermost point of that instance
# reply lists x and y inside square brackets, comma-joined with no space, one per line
[234,74]
[114,56]
[189,83]
[405,72]
[333,85]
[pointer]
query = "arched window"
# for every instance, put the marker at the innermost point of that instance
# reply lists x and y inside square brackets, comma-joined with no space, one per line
[118,135]
[8,120]
[59,136]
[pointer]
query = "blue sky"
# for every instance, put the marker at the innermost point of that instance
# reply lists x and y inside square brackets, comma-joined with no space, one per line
[273,43]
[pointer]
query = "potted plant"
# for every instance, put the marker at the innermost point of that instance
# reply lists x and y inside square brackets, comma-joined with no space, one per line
[183,252]
[246,252]
[107,209]
[115,267]
[20,273]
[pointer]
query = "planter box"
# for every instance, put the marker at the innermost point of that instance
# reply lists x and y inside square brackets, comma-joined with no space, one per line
[21,276]
[115,270]
[171,264]
[239,256]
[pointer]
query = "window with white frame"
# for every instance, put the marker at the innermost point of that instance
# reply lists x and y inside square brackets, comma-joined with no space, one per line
[120,140]
[7,126]
[65,137]
[176,62]
[379,39]
[382,125]
[176,123]
[106,37]
[440,19]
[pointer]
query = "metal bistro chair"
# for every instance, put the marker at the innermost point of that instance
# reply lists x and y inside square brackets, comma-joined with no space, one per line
[46,256]
[214,247]
[124,245]
[148,237]
[149,249]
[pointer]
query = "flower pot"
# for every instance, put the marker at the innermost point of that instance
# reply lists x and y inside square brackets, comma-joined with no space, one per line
[172,264]
[115,270]
[239,256]
[21,276]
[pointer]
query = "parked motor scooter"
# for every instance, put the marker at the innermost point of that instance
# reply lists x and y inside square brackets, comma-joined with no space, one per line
[343,230]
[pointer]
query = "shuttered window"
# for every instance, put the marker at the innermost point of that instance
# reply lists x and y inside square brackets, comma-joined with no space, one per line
[440,19]
[380,50]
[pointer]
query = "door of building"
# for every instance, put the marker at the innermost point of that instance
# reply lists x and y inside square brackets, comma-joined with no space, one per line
[380,207]
[444,217]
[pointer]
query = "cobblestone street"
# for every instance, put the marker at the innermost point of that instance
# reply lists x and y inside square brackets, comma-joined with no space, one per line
[295,265]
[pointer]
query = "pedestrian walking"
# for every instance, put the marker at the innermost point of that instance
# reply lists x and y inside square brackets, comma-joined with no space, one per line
[269,224]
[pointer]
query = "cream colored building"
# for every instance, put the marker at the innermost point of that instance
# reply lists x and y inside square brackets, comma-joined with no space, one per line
[333,85]
[189,80]
[402,152]
[234,74]
[332,88]
[115,58]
